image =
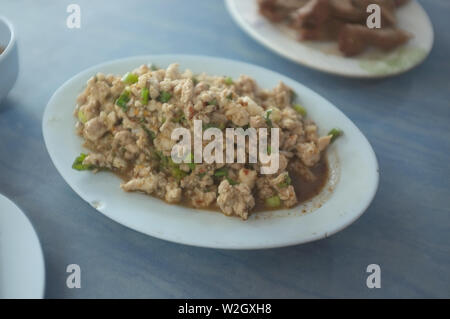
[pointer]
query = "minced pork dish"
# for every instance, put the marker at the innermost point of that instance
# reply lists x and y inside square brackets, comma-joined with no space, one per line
[126,123]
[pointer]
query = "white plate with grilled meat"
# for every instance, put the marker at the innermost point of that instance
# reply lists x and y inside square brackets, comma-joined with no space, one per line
[22,270]
[325,55]
[350,188]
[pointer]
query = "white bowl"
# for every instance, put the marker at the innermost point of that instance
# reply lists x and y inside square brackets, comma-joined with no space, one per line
[9,62]
[354,171]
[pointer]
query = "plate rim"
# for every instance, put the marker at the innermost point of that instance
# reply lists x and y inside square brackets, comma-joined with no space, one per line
[239,20]
[35,236]
[176,57]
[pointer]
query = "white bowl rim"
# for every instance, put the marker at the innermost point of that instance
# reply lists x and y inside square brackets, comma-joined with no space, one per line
[12,39]
[6,199]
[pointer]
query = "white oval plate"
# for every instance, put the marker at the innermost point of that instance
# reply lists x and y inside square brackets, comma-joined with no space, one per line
[22,270]
[351,158]
[325,56]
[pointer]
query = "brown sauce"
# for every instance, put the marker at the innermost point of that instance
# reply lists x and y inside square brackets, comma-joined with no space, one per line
[304,189]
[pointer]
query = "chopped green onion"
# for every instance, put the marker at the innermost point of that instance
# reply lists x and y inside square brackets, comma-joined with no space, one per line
[144,96]
[166,162]
[273,201]
[82,117]
[288,180]
[163,160]
[299,109]
[269,150]
[230,96]
[335,133]
[190,159]
[175,169]
[194,80]
[123,99]
[153,67]
[179,118]
[78,163]
[130,78]
[151,134]
[164,97]
[232,182]
[228,81]
[201,175]
[159,157]
[286,183]
[213,102]
[221,172]
[268,120]
[177,172]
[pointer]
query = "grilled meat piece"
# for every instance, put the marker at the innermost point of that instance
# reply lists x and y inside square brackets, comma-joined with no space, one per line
[342,20]
[354,38]
[278,10]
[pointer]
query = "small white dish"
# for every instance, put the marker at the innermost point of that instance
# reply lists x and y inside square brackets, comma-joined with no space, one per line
[22,270]
[325,56]
[353,165]
[9,61]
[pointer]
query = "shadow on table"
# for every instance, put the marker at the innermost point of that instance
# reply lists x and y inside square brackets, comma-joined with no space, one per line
[6,104]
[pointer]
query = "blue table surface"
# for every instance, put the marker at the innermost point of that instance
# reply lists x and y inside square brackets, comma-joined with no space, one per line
[406,119]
